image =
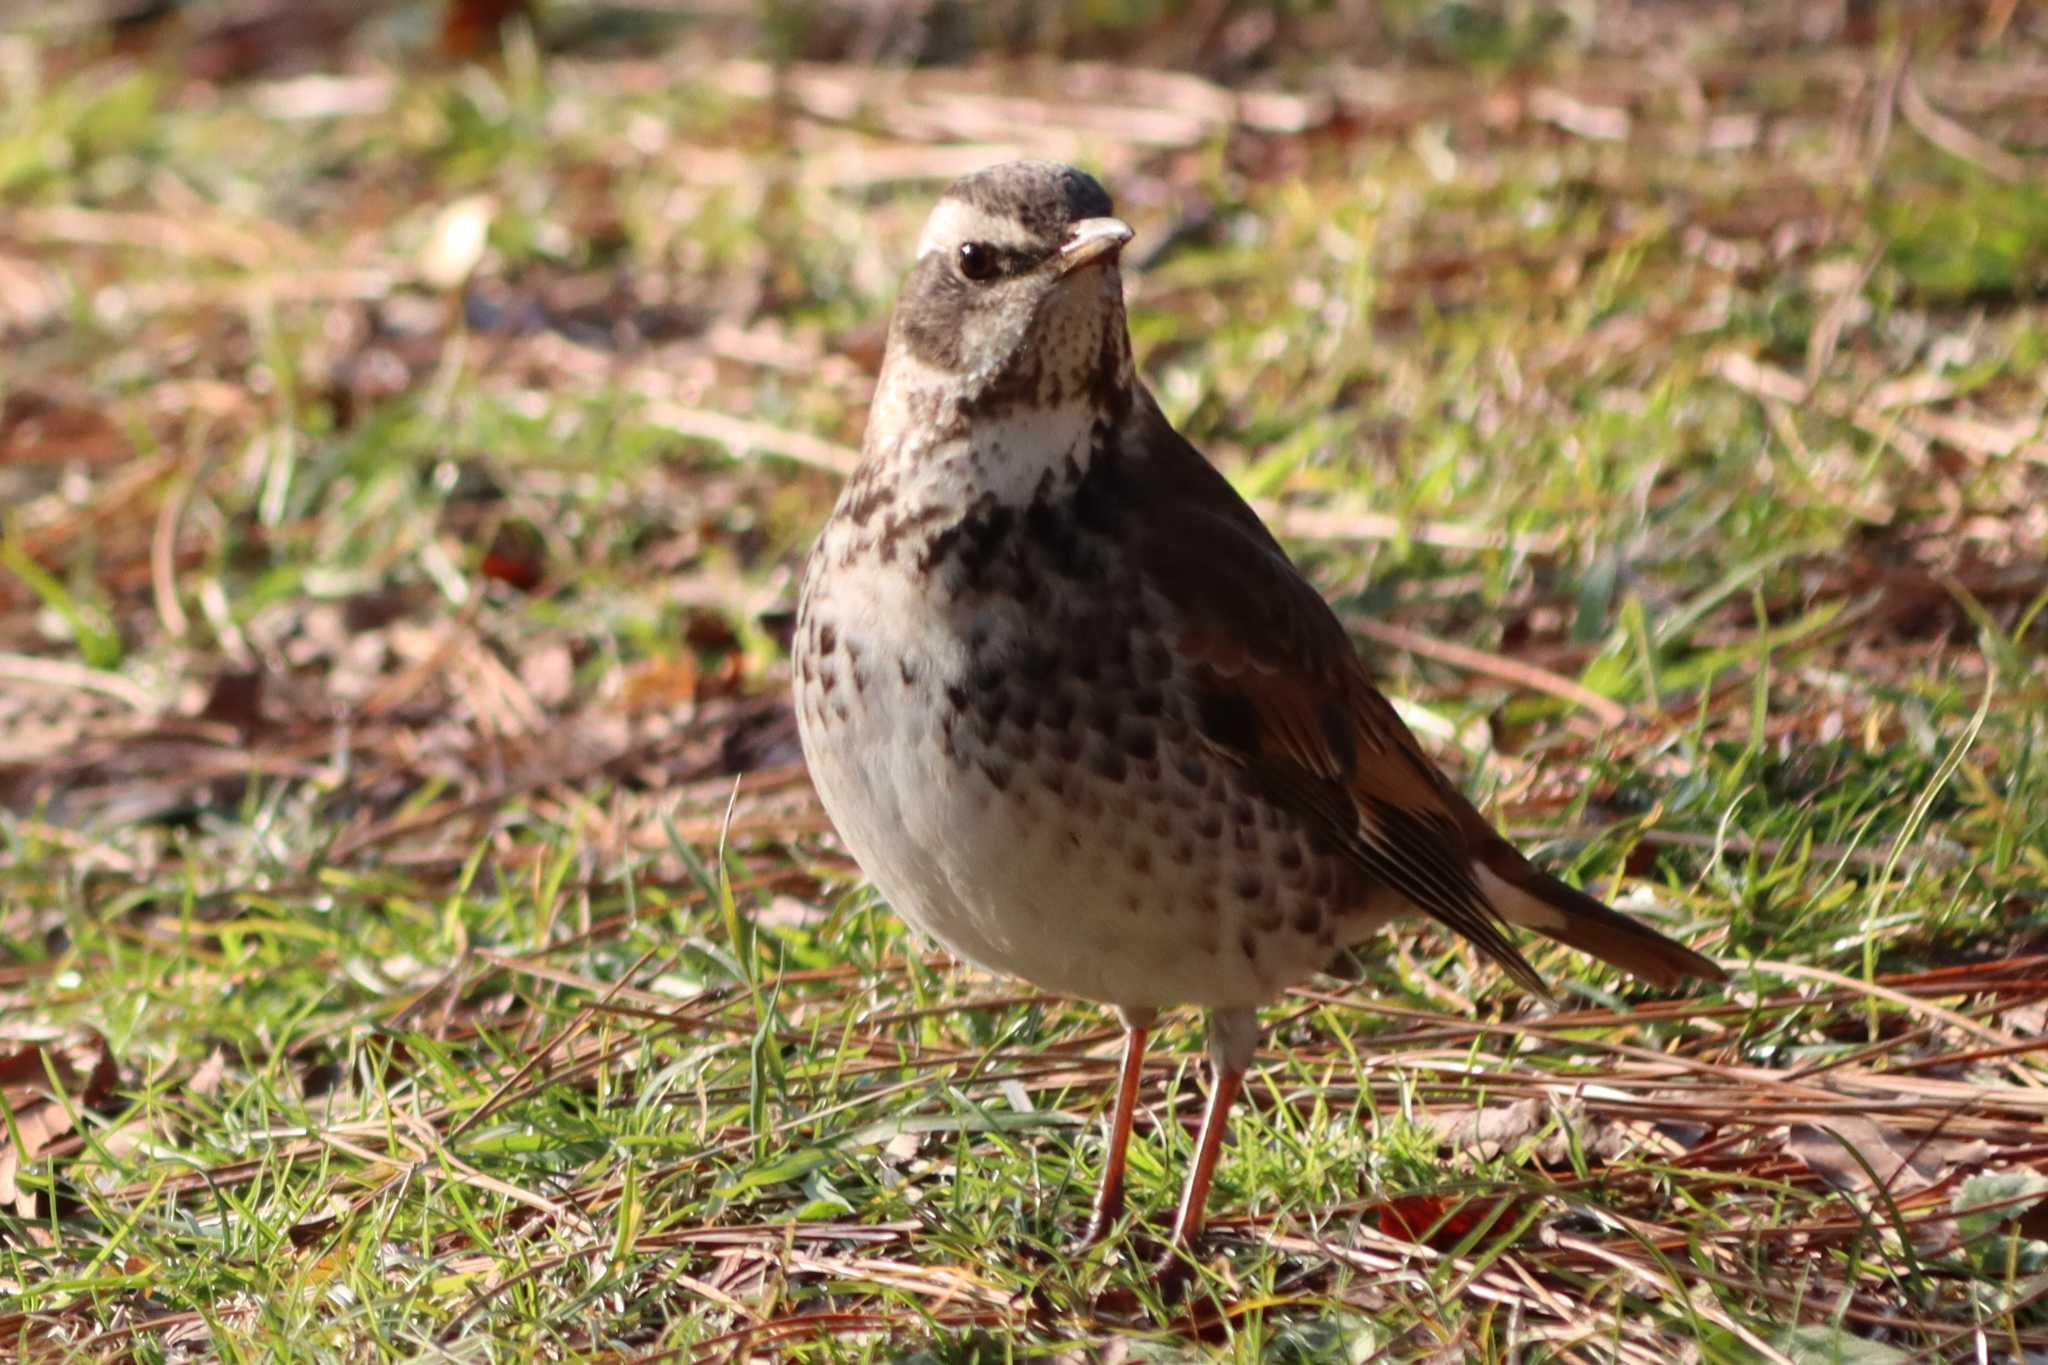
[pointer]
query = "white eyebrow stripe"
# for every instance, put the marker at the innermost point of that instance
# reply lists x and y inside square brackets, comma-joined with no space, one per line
[955,221]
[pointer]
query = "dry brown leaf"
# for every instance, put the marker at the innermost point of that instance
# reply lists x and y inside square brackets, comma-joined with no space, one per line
[1490,1130]
[37,428]
[205,1081]
[1854,1153]
[548,673]
[1439,1220]
[38,1125]
[1860,1156]
[660,683]
[42,1113]
[1500,1128]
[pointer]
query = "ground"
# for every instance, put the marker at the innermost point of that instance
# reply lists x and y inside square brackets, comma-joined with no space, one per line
[417,934]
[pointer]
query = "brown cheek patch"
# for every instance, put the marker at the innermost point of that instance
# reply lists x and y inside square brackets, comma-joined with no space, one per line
[928,315]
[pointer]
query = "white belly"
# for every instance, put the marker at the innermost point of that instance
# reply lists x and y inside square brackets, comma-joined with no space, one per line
[1140,890]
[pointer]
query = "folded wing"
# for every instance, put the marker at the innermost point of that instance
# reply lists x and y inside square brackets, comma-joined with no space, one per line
[1282,693]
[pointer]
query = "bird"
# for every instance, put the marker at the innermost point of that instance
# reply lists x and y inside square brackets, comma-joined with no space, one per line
[1076,714]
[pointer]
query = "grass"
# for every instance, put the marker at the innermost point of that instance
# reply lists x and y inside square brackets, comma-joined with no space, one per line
[419,937]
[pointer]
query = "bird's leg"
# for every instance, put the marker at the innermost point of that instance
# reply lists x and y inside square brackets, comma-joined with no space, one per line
[1109,1195]
[1233,1037]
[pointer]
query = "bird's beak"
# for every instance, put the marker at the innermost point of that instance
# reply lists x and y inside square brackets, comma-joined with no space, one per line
[1090,240]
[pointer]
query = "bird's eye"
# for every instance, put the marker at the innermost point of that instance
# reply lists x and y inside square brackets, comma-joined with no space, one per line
[977,261]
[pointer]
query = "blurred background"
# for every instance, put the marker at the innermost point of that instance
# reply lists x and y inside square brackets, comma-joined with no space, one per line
[412,421]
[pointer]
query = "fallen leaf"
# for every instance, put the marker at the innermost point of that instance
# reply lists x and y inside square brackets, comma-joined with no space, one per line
[659,684]
[1489,1130]
[39,429]
[1854,1153]
[516,557]
[473,28]
[38,1126]
[1437,1220]
[205,1081]
[311,1230]
[84,1073]
[236,699]
[548,672]
[1857,1155]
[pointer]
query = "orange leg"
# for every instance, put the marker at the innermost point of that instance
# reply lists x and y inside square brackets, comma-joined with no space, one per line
[1187,1224]
[1109,1195]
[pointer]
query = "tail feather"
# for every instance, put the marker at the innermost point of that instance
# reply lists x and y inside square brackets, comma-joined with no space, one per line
[1523,895]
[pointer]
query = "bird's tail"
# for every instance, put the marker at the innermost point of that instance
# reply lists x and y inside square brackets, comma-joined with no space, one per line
[1523,894]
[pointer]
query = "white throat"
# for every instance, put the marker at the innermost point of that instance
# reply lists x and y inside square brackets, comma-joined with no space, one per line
[937,458]
[1028,448]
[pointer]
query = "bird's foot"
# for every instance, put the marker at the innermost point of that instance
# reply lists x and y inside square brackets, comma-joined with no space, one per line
[1174,1275]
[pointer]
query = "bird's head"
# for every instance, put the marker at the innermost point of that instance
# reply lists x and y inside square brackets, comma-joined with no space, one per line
[1015,297]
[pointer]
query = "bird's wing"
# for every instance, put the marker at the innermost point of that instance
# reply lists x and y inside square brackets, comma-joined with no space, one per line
[1281,692]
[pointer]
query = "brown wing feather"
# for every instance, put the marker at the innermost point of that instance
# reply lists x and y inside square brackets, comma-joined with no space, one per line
[1286,696]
